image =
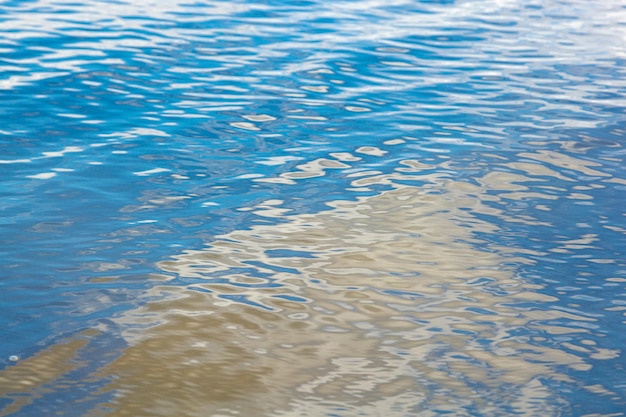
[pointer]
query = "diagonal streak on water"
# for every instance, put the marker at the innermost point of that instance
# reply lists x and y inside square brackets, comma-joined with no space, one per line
[303,208]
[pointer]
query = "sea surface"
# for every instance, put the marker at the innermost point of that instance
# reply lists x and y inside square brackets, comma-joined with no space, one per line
[312,208]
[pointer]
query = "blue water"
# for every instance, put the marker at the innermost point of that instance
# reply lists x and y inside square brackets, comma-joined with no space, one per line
[142,142]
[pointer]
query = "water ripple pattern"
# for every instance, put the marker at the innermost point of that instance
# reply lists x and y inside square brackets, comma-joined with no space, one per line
[311,208]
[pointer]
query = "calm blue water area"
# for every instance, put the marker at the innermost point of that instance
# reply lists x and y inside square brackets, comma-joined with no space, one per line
[134,131]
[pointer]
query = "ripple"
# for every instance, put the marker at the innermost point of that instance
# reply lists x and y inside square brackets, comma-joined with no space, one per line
[312,208]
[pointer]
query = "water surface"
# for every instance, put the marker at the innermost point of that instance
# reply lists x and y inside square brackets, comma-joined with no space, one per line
[353,208]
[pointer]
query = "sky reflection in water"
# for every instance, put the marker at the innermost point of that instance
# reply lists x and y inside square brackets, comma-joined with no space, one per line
[352,208]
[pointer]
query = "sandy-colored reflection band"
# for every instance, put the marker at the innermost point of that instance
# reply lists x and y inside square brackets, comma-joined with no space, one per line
[390,306]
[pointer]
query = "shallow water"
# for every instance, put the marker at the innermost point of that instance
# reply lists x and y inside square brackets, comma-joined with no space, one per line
[353,208]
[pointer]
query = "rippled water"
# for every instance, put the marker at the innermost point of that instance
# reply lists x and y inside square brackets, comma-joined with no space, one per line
[313,208]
